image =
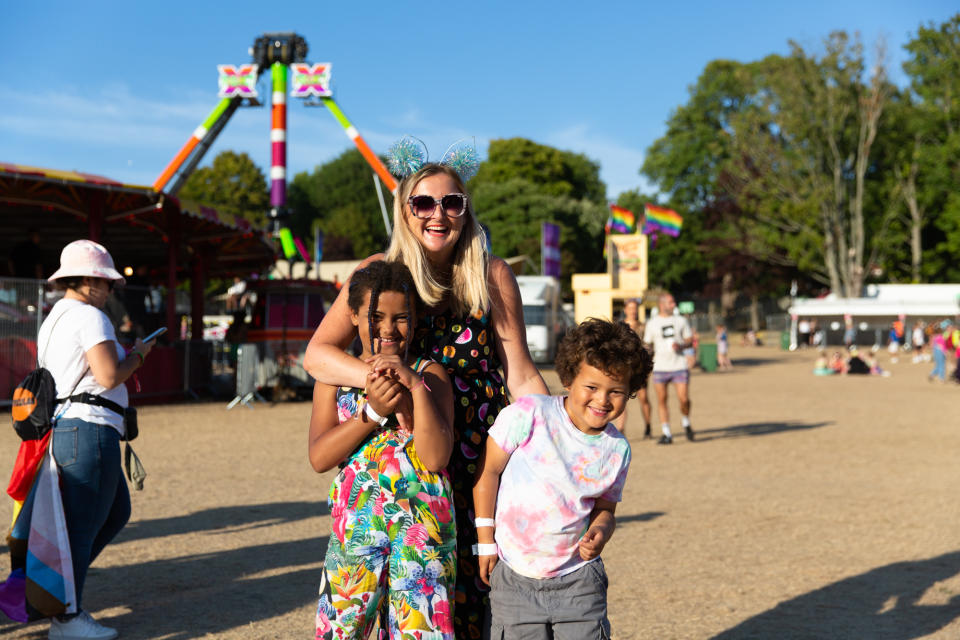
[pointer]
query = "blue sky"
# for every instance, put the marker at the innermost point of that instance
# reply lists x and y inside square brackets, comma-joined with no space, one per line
[116,88]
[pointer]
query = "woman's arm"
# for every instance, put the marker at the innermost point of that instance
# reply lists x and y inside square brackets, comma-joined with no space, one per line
[109,370]
[330,441]
[325,358]
[519,372]
[433,417]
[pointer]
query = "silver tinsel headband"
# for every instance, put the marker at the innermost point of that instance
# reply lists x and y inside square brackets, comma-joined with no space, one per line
[409,154]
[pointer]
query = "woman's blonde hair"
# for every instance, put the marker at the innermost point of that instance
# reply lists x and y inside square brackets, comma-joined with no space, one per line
[468,277]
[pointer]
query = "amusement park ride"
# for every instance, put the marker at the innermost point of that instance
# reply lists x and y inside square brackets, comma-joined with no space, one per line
[287,312]
[285,55]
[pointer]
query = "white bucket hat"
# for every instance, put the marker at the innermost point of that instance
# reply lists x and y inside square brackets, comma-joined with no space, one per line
[86,258]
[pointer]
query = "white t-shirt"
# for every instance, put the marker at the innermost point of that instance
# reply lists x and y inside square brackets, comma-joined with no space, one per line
[64,354]
[549,487]
[663,332]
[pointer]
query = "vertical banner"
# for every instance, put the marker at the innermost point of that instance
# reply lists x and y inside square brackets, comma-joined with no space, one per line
[627,263]
[550,250]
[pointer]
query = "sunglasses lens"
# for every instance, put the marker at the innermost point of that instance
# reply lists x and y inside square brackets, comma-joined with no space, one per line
[454,204]
[422,206]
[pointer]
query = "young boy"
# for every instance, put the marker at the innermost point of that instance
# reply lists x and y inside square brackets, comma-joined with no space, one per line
[552,473]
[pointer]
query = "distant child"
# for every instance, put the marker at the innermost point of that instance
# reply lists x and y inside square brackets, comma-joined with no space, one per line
[822,366]
[547,488]
[874,364]
[392,553]
[837,363]
[723,349]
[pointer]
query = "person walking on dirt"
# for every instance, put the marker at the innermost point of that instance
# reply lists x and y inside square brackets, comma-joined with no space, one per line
[670,334]
[631,317]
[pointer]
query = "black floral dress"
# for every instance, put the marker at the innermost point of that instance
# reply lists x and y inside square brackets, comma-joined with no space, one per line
[465,345]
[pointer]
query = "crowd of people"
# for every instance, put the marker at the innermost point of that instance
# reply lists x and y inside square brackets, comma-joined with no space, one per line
[937,341]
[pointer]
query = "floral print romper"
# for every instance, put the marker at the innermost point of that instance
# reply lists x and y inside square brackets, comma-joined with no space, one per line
[465,346]
[394,536]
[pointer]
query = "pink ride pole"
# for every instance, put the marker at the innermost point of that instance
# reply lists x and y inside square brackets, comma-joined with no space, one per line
[278,136]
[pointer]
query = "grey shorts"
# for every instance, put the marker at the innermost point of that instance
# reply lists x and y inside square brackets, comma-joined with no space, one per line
[666,377]
[570,607]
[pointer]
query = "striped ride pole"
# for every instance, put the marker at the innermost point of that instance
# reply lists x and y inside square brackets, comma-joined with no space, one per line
[198,135]
[362,146]
[278,136]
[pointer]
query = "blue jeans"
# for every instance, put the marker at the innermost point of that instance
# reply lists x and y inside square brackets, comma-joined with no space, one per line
[939,364]
[95,496]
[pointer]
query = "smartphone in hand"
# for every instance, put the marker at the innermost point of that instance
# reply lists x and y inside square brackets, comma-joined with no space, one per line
[156,334]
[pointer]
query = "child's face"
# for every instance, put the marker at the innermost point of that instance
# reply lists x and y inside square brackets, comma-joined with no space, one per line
[595,398]
[391,321]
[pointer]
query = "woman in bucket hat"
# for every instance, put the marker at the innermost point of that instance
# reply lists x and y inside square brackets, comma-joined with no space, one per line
[84,357]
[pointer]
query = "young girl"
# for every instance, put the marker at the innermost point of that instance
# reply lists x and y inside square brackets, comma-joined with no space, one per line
[393,518]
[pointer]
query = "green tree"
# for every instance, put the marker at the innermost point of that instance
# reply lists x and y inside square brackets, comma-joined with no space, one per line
[523,184]
[339,197]
[934,70]
[558,173]
[233,183]
[802,161]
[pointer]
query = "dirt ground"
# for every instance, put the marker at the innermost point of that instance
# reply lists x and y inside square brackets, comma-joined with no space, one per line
[808,507]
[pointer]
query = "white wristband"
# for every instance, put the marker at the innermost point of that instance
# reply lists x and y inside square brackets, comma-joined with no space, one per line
[485,549]
[373,415]
[484,522]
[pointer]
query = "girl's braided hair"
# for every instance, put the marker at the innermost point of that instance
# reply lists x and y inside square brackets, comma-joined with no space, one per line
[377,277]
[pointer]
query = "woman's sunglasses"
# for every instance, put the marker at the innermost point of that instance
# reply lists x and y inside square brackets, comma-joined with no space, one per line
[453,205]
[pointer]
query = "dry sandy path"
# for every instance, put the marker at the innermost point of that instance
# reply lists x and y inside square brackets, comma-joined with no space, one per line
[808,508]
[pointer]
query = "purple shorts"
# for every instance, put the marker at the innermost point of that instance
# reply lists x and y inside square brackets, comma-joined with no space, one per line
[666,377]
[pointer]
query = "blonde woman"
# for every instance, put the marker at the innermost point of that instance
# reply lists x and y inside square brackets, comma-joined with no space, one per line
[473,326]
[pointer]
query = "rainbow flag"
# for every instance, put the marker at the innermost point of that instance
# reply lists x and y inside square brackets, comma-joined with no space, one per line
[620,221]
[661,220]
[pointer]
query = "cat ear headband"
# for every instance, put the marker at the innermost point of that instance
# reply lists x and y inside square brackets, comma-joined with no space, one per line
[409,154]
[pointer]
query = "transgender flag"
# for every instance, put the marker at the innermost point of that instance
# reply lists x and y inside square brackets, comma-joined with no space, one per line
[49,586]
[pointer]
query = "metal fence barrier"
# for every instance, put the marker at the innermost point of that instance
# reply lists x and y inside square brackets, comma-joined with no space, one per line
[22,303]
[248,359]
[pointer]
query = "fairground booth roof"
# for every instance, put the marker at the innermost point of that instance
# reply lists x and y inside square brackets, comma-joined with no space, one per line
[136,223]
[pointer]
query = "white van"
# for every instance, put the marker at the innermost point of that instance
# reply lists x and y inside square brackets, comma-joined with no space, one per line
[540,296]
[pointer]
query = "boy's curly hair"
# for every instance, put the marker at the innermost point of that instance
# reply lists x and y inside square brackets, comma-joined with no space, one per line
[612,347]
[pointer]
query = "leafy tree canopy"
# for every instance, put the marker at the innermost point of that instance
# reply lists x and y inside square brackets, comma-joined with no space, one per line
[558,173]
[523,184]
[233,183]
[339,197]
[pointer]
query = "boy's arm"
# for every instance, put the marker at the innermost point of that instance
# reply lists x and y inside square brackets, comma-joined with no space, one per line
[486,484]
[600,529]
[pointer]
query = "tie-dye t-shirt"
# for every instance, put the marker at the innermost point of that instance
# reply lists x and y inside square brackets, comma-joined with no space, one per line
[553,478]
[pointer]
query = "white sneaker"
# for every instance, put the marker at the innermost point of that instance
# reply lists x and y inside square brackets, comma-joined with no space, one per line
[80,627]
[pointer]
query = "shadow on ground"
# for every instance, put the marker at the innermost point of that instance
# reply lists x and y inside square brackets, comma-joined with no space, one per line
[240,517]
[884,601]
[196,594]
[752,362]
[756,429]
[640,517]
